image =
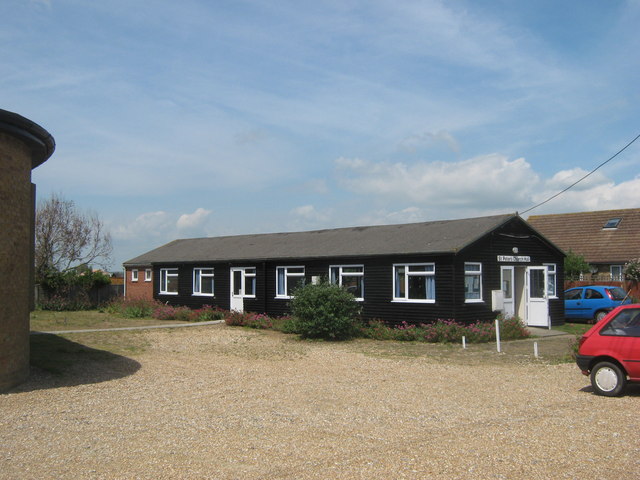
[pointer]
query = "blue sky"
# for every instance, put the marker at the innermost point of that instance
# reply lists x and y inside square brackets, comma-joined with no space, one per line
[204,118]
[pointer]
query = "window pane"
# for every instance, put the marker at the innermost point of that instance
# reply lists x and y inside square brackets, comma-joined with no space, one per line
[280,282]
[172,283]
[351,270]
[250,285]
[418,268]
[293,283]
[418,287]
[353,285]
[237,282]
[400,282]
[334,275]
[249,271]
[536,287]
[472,287]
[206,285]
[472,267]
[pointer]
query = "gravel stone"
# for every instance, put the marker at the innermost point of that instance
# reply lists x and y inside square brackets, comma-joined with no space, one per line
[229,403]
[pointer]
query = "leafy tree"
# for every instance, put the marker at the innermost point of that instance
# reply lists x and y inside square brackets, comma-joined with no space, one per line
[574,265]
[324,310]
[67,238]
[632,272]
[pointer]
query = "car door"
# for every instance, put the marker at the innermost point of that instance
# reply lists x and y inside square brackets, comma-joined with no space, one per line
[620,339]
[592,301]
[573,302]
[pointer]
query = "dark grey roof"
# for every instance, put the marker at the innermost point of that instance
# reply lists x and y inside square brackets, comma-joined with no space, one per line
[446,236]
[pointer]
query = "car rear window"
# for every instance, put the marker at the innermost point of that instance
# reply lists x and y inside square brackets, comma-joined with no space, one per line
[616,293]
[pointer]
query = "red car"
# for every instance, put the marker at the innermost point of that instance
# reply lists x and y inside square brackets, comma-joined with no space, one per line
[610,351]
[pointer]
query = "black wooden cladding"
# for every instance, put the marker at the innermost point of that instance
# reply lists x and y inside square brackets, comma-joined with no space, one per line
[378,280]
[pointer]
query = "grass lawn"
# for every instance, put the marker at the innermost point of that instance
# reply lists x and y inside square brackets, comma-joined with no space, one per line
[576,329]
[48,321]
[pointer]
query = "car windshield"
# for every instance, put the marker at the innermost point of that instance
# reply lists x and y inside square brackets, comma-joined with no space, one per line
[616,293]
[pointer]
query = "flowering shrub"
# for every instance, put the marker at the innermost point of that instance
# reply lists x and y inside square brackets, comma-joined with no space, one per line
[248,319]
[207,313]
[446,331]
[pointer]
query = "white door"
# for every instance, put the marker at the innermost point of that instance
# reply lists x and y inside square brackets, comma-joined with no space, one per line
[537,308]
[237,289]
[506,280]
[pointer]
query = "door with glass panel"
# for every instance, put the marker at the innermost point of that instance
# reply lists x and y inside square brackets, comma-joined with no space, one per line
[243,285]
[537,307]
[507,282]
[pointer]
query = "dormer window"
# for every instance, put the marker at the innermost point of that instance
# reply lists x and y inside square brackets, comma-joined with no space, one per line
[612,223]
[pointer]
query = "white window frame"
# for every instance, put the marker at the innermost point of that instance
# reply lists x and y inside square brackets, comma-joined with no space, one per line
[147,275]
[407,273]
[250,278]
[282,293]
[552,280]
[164,274]
[477,273]
[341,274]
[134,275]
[198,274]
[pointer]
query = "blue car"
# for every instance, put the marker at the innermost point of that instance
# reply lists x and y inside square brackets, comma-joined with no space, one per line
[593,301]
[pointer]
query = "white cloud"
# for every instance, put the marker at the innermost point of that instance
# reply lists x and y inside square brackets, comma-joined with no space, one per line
[309,212]
[489,181]
[192,220]
[146,225]
[479,186]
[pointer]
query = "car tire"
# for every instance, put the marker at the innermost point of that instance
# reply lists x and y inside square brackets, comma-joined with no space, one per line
[608,379]
[599,315]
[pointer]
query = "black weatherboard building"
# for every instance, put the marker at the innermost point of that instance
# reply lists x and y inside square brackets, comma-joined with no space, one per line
[466,270]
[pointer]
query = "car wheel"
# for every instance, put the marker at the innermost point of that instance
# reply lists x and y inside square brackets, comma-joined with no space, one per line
[608,379]
[600,315]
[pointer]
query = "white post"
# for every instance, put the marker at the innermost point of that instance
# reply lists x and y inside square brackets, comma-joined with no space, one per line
[464,342]
[498,335]
[535,349]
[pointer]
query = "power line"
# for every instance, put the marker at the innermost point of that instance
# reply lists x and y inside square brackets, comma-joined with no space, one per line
[581,179]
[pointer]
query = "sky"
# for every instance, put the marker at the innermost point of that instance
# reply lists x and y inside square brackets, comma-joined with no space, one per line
[210,117]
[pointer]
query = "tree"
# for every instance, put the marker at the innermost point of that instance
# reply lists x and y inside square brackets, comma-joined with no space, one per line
[67,238]
[574,265]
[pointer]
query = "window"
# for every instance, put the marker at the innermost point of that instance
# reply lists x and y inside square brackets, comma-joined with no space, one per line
[612,223]
[147,275]
[169,281]
[414,282]
[551,280]
[616,272]
[625,324]
[349,276]
[134,275]
[249,282]
[472,282]
[287,280]
[203,281]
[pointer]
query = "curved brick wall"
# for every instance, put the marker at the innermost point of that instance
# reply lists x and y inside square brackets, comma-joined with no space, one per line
[23,145]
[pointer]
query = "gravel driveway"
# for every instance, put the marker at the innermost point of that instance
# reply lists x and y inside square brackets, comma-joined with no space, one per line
[227,403]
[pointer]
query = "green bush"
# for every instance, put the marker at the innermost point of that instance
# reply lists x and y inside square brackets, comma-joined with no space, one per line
[324,310]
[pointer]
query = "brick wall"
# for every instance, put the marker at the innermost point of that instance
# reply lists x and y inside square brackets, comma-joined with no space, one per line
[15,255]
[141,288]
